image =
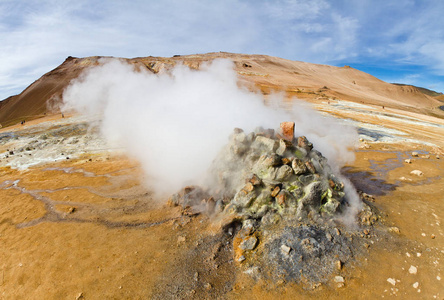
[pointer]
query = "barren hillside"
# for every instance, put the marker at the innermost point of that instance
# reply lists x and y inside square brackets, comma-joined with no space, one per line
[300,79]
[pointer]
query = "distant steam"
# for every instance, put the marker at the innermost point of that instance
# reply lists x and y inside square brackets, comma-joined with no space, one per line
[175,123]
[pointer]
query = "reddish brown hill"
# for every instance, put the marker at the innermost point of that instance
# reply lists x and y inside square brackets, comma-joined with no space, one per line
[304,80]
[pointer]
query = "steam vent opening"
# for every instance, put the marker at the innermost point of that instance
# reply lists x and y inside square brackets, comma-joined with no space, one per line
[288,214]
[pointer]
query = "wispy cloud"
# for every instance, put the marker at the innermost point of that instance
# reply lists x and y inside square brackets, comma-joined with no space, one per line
[36,36]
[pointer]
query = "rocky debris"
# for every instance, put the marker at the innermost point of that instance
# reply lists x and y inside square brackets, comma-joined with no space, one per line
[417,173]
[305,254]
[279,200]
[415,154]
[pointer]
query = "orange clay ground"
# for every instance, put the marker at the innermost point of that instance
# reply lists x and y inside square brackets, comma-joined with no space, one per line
[86,228]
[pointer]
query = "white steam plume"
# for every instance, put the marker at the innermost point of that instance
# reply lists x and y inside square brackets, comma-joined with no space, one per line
[175,123]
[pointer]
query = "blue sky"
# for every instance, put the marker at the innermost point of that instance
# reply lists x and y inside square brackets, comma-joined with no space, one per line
[397,41]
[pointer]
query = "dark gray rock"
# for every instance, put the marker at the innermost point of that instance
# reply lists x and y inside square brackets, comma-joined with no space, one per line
[312,254]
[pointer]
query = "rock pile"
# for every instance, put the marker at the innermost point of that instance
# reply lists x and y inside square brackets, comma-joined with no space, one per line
[283,175]
[279,199]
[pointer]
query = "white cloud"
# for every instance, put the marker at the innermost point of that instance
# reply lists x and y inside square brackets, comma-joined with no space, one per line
[38,36]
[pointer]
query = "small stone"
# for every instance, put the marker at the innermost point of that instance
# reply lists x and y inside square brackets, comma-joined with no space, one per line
[264,143]
[298,166]
[404,178]
[181,239]
[339,279]
[415,154]
[196,276]
[391,281]
[282,197]
[337,231]
[241,258]
[438,278]
[366,232]
[248,187]
[286,161]
[208,286]
[408,161]
[437,156]
[340,285]
[280,282]
[283,146]
[285,249]
[328,236]
[71,210]
[284,173]
[432,236]
[417,173]
[255,180]
[304,143]
[275,191]
[310,167]
[80,296]
[413,270]
[394,230]
[287,130]
[415,285]
[249,243]
[338,265]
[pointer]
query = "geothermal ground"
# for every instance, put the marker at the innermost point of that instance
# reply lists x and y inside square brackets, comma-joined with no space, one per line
[77,223]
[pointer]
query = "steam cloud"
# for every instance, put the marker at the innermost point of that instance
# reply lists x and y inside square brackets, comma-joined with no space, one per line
[175,123]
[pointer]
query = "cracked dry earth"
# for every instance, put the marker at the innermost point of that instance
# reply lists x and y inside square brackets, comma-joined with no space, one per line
[86,228]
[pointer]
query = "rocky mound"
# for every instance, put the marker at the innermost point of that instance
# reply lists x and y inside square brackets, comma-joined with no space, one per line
[279,199]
